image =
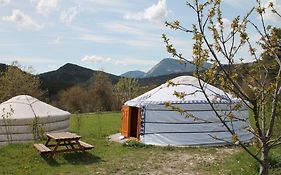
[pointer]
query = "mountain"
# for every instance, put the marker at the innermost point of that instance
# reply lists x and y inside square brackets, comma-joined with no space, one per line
[133,74]
[171,66]
[69,75]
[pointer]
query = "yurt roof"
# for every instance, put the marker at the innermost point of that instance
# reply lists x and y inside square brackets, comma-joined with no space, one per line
[187,84]
[25,106]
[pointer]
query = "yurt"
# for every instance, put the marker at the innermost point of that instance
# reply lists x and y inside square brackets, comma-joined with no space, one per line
[149,118]
[17,117]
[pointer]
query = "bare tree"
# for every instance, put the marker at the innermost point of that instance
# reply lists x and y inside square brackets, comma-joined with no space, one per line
[260,86]
[101,92]
[126,89]
[75,100]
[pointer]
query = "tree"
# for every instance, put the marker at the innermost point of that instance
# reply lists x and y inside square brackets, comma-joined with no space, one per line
[15,80]
[126,89]
[101,93]
[75,100]
[261,87]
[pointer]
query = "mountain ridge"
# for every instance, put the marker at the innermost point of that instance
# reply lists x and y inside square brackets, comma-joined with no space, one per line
[70,75]
[167,66]
[133,74]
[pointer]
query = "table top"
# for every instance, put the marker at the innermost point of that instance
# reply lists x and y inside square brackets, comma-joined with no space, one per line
[63,136]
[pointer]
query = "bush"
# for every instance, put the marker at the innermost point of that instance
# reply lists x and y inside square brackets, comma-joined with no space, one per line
[134,143]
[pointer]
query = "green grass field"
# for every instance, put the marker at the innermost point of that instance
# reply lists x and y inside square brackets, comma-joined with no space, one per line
[114,158]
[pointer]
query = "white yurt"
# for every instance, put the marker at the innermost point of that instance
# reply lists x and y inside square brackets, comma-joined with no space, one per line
[148,119]
[18,113]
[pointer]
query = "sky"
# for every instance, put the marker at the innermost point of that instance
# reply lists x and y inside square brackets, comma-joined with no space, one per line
[115,36]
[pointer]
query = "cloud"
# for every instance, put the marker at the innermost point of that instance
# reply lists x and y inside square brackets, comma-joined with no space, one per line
[151,41]
[59,40]
[122,28]
[4,2]
[22,20]
[226,24]
[95,58]
[156,12]
[135,61]
[269,15]
[45,6]
[68,15]
[126,61]
[96,38]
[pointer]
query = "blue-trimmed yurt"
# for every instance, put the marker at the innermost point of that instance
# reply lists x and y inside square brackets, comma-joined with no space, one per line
[149,119]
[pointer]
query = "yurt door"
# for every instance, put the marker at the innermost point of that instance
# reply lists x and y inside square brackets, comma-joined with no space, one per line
[130,126]
[125,121]
[134,115]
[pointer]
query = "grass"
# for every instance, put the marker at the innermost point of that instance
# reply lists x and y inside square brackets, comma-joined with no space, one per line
[113,158]
[241,163]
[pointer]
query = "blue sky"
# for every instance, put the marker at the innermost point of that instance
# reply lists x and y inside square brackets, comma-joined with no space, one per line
[111,35]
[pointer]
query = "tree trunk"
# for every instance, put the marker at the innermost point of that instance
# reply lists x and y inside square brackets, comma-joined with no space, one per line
[264,166]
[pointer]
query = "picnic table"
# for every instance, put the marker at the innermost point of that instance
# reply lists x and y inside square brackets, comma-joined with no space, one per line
[63,142]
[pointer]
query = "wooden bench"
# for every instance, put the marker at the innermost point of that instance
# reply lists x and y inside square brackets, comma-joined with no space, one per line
[85,145]
[42,148]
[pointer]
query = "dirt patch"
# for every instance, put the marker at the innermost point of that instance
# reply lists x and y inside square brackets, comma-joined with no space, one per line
[183,161]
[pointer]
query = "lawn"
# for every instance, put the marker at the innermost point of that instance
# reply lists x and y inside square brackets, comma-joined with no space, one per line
[114,158]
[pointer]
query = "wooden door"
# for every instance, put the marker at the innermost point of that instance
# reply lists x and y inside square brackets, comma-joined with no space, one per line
[125,121]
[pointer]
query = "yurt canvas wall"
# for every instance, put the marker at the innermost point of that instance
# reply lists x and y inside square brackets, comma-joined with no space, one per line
[160,125]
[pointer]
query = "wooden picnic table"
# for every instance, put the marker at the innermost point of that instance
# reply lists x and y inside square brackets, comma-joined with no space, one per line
[63,142]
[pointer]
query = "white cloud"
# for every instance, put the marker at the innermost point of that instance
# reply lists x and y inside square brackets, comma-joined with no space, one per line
[148,41]
[269,15]
[22,20]
[135,61]
[68,15]
[59,40]
[155,12]
[126,61]
[122,28]
[4,2]
[226,25]
[96,38]
[45,6]
[95,58]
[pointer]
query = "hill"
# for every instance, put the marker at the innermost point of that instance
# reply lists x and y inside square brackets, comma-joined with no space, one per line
[133,74]
[69,75]
[171,66]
